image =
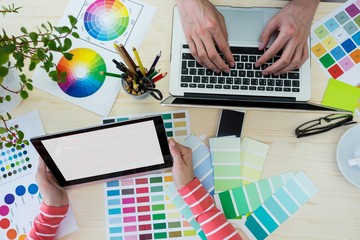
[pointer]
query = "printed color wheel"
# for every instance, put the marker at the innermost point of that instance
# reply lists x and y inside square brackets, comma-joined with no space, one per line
[106,20]
[83,78]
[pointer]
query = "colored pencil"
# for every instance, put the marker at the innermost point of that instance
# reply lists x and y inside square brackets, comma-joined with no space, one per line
[110,74]
[153,74]
[158,77]
[127,61]
[127,55]
[137,57]
[152,68]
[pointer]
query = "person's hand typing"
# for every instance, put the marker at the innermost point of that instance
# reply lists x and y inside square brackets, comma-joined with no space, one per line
[182,169]
[204,27]
[52,194]
[293,24]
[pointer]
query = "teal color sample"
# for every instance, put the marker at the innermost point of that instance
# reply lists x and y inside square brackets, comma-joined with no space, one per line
[255,228]
[276,210]
[286,201]
[265,219]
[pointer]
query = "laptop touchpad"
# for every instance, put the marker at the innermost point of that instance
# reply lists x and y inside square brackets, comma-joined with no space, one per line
[244,25]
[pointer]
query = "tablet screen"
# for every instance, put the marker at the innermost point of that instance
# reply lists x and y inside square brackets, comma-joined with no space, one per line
[106,151]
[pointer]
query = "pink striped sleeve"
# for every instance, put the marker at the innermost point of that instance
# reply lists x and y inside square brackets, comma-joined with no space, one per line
[47,222]
[211,219]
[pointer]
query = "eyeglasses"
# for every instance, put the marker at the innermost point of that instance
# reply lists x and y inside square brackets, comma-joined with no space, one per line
[323,124]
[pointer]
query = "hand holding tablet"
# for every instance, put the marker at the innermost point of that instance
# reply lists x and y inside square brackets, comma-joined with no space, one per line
[107,151]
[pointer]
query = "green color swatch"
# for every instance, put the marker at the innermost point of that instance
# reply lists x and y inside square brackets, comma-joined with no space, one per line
[341,95]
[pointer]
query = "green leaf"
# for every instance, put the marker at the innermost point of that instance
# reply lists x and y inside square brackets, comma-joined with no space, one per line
[3,71]
[4,58]
[73,20]
[29,86]
[20,135]
[68,56]
[52,45]
[24,94]
[33,36]
[32,66]
[1,81]
[75,35]
[62,30]
[63,74]
[8,98]
[26,142]
[2,130]
[67,44]
[23,30]
[8,145]
[8,116]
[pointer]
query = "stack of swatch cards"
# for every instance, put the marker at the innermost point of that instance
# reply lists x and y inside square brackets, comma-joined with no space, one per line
[150,207]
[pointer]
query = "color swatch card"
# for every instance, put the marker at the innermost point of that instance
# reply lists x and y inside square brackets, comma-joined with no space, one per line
[202,165]
[253,155]
[100,24]
[243,200]
[138,208]
[279,207]
[335,41]
[342,95]
[177,123]
[226,159]
[20,198]
[203,171]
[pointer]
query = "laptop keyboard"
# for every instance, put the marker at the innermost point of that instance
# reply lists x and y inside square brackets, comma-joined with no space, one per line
[244,76]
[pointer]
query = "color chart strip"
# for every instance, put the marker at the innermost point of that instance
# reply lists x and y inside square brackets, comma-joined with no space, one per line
[253,155]
[243,200]
[137,208]
[335,41]
[177,123]
[226,160]
[203,171]
[279,207]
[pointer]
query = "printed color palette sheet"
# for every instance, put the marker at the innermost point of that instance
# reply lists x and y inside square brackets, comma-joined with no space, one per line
[177,123]
[20,198]
[335,41]
[119,211]
[137,208]
[279,207]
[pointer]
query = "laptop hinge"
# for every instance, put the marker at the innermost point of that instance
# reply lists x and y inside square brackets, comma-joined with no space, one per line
[247,98]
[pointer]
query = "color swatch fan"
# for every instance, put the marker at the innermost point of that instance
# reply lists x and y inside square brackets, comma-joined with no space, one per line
[335,41]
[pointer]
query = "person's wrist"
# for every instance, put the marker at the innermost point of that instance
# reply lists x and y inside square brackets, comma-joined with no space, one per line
[313,4]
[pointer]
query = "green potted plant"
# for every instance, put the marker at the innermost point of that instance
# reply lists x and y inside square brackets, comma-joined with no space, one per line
[24,52]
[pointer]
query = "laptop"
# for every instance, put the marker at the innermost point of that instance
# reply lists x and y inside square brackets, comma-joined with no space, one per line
[245,86]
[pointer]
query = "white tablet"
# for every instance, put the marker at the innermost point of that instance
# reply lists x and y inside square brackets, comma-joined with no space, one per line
[107,151]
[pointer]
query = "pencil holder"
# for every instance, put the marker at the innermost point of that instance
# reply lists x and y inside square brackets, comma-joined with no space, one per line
[141,88]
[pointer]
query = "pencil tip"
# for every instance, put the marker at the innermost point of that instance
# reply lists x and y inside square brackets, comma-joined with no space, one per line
[101,73]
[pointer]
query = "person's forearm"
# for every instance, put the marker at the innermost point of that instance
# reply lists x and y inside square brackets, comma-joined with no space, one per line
[308,4]
[211,219]
[47,222]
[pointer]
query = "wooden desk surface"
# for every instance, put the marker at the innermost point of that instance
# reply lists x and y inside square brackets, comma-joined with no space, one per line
[334,212]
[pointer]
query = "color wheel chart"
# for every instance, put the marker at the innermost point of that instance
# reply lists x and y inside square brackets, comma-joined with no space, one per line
[105,22]
[83,78]
[335,41]
[137,208]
